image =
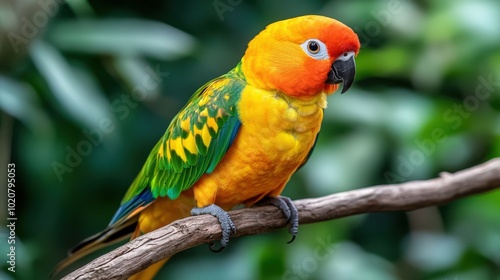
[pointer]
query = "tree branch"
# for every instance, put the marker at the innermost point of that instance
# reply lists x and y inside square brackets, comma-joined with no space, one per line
[183,234]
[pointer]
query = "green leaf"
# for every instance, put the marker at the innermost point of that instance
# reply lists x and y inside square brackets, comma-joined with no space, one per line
[20,101]
[137,74]
[127,37]
[78,95]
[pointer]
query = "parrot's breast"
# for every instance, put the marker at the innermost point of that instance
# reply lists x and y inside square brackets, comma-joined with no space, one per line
[275,138]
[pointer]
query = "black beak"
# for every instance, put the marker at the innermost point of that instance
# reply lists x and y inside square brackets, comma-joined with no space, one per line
[342,72]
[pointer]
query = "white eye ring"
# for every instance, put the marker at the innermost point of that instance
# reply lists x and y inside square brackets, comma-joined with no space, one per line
[345,56]
[315,49]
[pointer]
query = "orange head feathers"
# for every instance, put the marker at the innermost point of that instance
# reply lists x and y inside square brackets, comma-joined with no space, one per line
[302,56]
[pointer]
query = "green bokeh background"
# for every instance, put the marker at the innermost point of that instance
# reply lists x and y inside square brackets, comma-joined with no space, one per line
[426,99]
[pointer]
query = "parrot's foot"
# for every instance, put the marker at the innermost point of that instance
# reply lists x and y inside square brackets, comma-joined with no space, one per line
[226,224]
[286,205]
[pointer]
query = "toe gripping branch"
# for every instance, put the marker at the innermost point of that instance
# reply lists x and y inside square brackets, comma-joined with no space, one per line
[286,205]
[225,221]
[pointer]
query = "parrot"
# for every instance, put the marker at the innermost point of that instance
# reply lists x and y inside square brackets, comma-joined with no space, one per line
[240,137]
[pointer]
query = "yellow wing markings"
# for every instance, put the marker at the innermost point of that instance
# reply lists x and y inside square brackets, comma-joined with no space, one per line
[190,144]
[204,133]
[161,150]
[180,145]
[220,114]
[204,113]
[201,120]
[169,156]
[178,148]
[186,124]
[212,124]
[205,136]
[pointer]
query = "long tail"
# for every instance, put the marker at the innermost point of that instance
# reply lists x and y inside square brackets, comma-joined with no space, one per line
[97,241]
[161,212]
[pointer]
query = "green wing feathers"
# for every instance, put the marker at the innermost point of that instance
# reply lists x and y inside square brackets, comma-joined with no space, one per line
[195,141]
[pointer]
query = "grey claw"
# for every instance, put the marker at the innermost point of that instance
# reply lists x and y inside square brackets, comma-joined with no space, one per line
[286,205]
[225,221]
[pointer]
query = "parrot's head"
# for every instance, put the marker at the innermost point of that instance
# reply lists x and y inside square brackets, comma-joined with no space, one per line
[302,56]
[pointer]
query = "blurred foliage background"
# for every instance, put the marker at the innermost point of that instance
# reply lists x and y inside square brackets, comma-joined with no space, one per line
[88,87]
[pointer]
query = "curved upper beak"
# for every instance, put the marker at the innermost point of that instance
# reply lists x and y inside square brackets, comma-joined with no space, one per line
[342,71]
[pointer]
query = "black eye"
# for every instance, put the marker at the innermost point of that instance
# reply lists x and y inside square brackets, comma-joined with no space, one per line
[313,47]
[345,54]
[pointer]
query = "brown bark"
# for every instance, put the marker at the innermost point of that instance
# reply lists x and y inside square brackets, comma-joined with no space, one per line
[193,231]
